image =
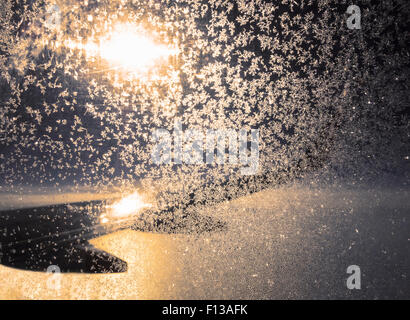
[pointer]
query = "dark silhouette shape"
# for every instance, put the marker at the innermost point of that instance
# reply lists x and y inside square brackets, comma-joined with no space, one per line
[37,238]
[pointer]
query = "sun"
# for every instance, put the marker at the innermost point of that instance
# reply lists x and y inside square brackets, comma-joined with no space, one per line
[132,50]
[128,48]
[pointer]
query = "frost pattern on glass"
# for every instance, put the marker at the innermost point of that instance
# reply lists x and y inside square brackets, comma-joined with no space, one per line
[322,96]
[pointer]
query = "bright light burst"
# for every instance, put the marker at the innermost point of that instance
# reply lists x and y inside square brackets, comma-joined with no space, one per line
[129,206]
[127,48]
[133,51]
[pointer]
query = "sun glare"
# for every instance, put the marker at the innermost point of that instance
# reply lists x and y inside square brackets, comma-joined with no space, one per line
[130,205]
[133,51]
[127,48]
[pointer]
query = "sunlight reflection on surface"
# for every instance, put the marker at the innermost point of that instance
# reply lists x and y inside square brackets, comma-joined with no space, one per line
[127,206]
